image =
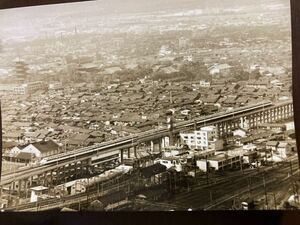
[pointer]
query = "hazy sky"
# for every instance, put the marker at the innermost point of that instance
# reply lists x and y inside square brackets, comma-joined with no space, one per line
[27,21]
[133,6]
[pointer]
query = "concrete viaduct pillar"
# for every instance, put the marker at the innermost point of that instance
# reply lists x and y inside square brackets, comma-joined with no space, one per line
[135,151]
[156,145]
[122,155]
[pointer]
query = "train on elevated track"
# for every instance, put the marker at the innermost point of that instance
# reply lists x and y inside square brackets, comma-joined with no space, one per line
[105,148]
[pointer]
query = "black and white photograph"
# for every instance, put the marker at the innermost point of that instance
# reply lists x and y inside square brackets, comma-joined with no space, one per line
[137,105]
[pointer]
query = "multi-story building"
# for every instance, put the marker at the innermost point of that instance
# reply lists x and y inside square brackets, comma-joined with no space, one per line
[183,43]
[7,89]
[30,88]
[205,138]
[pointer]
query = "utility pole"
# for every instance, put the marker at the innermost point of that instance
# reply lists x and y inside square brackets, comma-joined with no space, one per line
[207,168]
[241,164]
[175,183]
[87,191]
[249,186]
[292,180]
[275,202]
[171,178]
[195,165]
[265,190]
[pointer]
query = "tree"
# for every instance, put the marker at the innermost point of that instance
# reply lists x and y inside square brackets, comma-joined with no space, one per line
[241,75]
[96,206]
[256,74]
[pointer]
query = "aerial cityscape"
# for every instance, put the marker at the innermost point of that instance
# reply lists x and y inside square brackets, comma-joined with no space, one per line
[135,105]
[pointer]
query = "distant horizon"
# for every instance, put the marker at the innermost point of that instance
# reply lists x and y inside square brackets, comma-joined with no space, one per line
[27,20]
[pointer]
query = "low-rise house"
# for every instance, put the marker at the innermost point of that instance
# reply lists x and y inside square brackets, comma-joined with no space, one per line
[24,157]
[209,109]
[32,137]
[153,174]
[220,69]
[38,193]
[16,136]
[283,149]
[242,101]
[240,132]
[250,157]
[277,83]
[230,101]
[41,149]
[172,162]
[257,84]
[272,126]
[218,162]
[211,99]
[8,145]
[249,147]
[272,145]
[78,140]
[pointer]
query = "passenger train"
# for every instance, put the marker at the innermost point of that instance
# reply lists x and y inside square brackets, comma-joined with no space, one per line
[104,148]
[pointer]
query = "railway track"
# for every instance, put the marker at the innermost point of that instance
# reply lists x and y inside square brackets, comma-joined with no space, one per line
[211,196]
[62,159]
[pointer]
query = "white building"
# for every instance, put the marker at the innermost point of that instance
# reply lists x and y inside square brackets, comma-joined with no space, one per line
[170,151]
[172,162]
[30,88]
[254,67]
[185,112]
[219,69]
[249,147]
[218,162]
[290,126]
[205,138]
[38,149]
[164,51]
[55,86]
[240,132]
[283,150]
[204,83]
[7,88]
[183,42]
[37,192]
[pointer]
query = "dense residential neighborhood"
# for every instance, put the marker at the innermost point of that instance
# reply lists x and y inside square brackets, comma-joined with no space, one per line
[177,108]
